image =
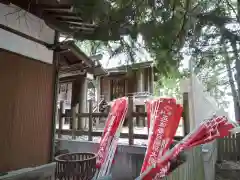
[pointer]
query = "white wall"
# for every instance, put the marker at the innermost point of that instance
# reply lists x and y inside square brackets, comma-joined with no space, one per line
[202,106]
[18,19]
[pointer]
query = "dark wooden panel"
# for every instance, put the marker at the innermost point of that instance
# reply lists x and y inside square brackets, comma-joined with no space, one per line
[132,83]
[76,90]
[25,110]
[117,88]
[105,88]
[150,80]
[146,78]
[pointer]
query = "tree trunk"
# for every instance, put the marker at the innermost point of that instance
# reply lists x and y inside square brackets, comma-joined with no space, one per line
[231,82]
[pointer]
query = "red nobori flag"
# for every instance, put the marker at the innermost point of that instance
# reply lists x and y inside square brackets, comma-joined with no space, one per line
[208,131]
[165,114]
[151,105]
[114,120]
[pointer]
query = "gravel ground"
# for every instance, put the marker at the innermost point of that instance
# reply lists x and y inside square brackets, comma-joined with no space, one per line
[228,170]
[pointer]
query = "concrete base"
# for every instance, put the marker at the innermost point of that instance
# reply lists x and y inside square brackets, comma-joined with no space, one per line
[209,160]
[228,171]
[43,172]
[127,163]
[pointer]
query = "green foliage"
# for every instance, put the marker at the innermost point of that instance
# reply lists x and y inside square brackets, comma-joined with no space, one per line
[164,28]
[169,86]
[216,81]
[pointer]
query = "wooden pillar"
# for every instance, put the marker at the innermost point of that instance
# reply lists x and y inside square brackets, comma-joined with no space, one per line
[151,79]
[238,145]
[137,118]
[98,91]
[81,100]
[74,122]
[146,79]
[126,87]
[143,122]
[84,101]
[90,121]
[55,96]
[60,120]
[140,82]
[98,99]
[108,96]
[80,123]
[132,83]
[131,87]
[140,121]
[186,115]
[76,91]
[130,121]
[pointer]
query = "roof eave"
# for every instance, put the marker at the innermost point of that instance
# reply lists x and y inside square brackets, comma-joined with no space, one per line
[95,69]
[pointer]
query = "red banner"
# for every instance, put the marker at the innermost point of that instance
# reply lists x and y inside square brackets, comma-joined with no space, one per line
[165,114]
[114,120]
[208,131]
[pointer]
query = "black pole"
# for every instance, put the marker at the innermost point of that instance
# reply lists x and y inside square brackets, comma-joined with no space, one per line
[55,96]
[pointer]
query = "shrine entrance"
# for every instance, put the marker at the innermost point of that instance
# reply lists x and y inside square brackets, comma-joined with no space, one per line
[117,87]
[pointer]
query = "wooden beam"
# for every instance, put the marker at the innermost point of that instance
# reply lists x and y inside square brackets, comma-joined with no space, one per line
[58,7]
[100,114]
[81,55]
[99,34]
[63,14]
[72,72]
[81,28]
[18,33]
[76,21]
[63,51]
[55,98]
[68,80]
[74,66]
[71,76]
[99,134]
[66,58]
[56,2]
[7,2]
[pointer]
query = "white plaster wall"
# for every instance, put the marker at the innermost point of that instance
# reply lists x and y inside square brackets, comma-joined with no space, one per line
[202,106]
[18,19]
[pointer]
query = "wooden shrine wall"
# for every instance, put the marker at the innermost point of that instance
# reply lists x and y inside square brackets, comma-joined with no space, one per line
[26,97]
